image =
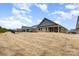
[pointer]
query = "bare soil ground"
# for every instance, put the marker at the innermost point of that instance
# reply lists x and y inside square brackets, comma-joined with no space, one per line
[39,44]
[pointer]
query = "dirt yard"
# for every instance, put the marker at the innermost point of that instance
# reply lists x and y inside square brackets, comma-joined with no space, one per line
[39,44]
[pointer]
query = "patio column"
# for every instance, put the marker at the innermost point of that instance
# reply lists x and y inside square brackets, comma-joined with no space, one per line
[58,28]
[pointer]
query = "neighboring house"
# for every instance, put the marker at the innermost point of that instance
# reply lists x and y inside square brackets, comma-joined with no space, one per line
[77,25]
[75,31]
[49,26]
[27,29]
[18,30]
[72,31]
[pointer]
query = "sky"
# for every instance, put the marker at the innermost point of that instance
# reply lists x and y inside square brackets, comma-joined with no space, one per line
[15,15]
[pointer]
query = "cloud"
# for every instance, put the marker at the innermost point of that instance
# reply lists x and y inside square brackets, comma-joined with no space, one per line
[26,19]
[15,11]
[62,18]
[13,23]
[10,24]
[18,18]
[72,6]
[43,7]
[23,6]
[75,12]
[58,22]
[62,15]
[19,14]
[38,21]
[29,16]
[66,15]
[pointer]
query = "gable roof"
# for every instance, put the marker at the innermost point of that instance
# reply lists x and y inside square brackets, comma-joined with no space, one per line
[45,22]
[48,22]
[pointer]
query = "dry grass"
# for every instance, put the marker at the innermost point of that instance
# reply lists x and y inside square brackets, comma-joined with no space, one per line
[38,44]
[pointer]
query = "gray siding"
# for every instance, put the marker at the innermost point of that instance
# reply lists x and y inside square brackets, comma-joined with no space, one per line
[46,23]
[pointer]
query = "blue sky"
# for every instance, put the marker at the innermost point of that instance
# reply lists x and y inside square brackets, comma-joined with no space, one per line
[15,15]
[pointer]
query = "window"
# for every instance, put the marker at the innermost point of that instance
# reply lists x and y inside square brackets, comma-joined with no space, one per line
[40,29]
[23,30]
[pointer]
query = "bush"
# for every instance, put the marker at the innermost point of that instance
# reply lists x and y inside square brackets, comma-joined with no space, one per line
[2,30]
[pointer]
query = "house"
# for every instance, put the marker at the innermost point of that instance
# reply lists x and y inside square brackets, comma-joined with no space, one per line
[24,29]
[49,26]
[45,25]
[27,29]
[77,25]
